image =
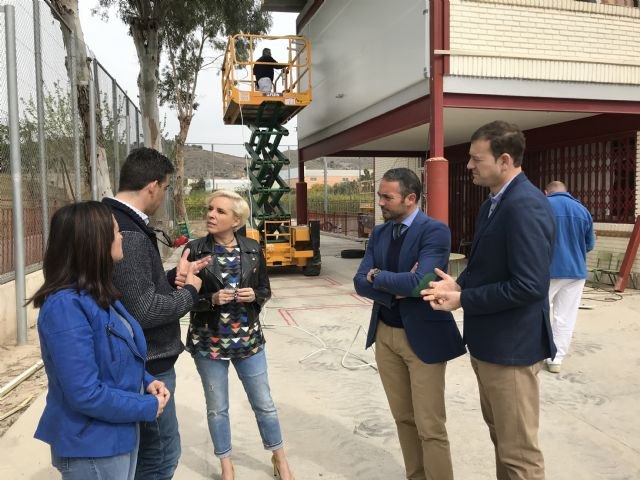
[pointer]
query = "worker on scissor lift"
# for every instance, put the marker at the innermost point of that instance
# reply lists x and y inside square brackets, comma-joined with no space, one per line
[264,72]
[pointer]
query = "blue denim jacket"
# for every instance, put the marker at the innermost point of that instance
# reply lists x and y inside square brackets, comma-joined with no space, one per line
[574,236]
[95,371]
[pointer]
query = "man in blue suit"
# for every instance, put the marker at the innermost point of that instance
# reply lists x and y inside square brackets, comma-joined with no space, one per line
[413,342]
[504,294]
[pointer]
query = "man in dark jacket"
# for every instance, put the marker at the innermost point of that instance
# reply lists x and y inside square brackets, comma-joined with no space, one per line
[413,342]
[264,72]
[504,294]
[151,296]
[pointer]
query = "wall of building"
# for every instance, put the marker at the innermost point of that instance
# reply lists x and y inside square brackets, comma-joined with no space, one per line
[562,40]
[8,325]
[613,237]
[363,52]
[316,177]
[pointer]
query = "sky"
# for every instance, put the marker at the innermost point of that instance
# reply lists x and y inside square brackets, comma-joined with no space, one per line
[114,49]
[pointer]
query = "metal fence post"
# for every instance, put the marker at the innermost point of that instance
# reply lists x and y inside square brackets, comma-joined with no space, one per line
[16,173]
[116,142]
[213,164]
[289,178]
[326,187]
[138,143]
[44,197]
[92,130]
[75,118]
[128,131]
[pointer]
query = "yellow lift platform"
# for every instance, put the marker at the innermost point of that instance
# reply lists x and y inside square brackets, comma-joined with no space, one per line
[242,101]
[265,113]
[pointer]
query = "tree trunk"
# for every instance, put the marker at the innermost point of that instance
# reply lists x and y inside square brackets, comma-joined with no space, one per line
[181,138]
[146,39]
[68,10]
[147,42]
[102,165]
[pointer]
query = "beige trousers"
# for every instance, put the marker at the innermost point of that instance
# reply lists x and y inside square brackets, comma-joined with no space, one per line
[415,391]
[510,402]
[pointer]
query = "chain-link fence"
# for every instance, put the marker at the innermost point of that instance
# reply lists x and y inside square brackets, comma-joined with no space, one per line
[214,166]
[54,139]
[345,206]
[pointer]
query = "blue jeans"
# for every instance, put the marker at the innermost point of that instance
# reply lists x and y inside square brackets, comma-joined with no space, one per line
[252,372]
[160,440]
[119,467]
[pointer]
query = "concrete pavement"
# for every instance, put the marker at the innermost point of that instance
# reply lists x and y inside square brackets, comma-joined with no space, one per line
[336,422]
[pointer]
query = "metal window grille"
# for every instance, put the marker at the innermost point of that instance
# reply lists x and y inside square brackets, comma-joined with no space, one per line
[601,173]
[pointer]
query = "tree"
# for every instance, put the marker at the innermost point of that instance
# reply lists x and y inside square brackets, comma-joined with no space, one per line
[58,132]
[68,11]
[188,35]
[146,19]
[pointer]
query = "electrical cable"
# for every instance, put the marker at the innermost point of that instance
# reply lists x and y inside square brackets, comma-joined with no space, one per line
[323,346]
[246,163]
[599,294]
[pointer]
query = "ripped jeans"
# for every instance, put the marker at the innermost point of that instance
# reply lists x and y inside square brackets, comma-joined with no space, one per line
[252,372]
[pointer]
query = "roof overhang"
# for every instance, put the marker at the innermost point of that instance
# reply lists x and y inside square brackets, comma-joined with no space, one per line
[291,6]
[407,128]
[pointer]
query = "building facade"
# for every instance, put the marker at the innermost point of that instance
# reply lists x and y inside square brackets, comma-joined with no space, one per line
[414,79]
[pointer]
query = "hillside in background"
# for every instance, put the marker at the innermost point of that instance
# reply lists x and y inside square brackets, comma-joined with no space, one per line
[199,163]
[336,163]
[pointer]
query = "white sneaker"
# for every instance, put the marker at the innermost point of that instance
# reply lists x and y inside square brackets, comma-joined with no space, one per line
[552,367]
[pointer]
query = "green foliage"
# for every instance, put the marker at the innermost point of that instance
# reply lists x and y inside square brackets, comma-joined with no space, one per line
[58,124]
[199,185]
[57,116]
[196,203]
[191,33]
[346,188]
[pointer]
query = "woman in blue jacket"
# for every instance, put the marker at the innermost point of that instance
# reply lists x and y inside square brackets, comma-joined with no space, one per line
[93,351]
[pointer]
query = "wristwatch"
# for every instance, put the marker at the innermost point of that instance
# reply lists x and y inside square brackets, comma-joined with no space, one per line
[375,272]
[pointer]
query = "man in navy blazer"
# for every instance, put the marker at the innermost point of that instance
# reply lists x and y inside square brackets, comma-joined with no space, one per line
[504,294]
[413,342]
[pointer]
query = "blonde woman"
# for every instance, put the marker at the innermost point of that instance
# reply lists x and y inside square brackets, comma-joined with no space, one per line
[225,328]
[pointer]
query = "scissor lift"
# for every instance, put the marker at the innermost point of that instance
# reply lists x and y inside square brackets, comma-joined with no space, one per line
[265,114]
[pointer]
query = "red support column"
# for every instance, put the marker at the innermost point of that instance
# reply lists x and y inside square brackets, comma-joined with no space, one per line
[437,171]
[629,257]
[437,182]
[301,196]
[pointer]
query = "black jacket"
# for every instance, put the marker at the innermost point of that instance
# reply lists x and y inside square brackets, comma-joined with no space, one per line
[261,71]
[254,275]
[147,294]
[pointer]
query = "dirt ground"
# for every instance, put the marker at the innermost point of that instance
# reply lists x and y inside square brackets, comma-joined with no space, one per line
[13,361]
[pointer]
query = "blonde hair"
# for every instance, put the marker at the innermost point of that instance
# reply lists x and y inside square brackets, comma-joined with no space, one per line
[239,205]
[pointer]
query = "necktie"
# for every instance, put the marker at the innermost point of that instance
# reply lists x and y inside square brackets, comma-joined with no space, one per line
[492,208]
[397,230]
